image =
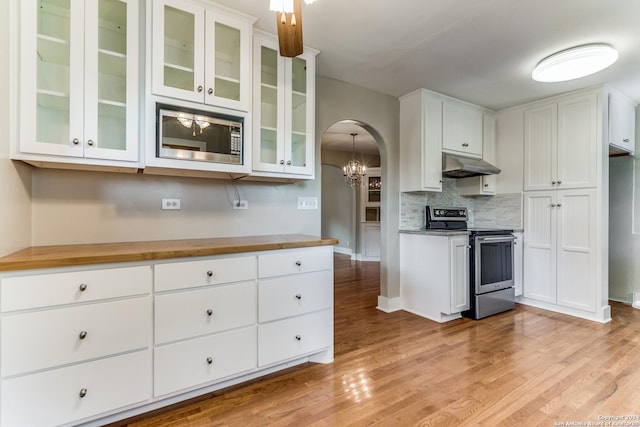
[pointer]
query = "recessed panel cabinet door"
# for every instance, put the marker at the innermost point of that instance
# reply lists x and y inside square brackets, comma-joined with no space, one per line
[540,146]
[460,292]
[577,260]
[577,142]
[540,248]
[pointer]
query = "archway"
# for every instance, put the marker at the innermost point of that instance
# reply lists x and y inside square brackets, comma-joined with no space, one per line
[354,215]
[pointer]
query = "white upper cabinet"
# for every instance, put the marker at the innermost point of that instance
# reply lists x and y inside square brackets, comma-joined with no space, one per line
[283,111]
[560,142]
[421,141]
[482,185]
[201,54]
[79,82]
[461,128]
[622,123]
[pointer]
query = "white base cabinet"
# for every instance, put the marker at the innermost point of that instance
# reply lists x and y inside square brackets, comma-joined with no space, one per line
[561,249]
[434,275]
[91,345]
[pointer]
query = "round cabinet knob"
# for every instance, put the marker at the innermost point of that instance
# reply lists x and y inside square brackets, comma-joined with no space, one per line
[209,360]
[200,88]
[553,205]
[559,182]
[289,163]
[486,185]
[90,143]
[553,183]
[75,141]
[82,335]
[83,392]
[559,205]
[626,140]
[209,312]
[210,91]
[82,287]
[210,273]
[465,144]
[298,338]
[298,297]
[298,263]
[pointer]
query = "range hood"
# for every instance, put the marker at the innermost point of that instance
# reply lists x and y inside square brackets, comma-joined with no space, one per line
[463,167]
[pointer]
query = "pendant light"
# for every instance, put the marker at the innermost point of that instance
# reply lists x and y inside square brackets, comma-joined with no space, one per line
[289,23]
[354,170]
[574,63]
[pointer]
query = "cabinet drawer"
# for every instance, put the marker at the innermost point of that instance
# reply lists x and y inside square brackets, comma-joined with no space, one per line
[191,274]
[186,314]
[287,296]
[295,261]
[291,338]
[186,364]
[44,339]
[35,291]
[53,397]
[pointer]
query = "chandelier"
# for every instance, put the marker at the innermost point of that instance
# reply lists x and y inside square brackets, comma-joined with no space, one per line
[354,170]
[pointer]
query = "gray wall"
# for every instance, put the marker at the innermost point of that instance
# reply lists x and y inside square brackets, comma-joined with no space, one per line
[338,208]
[15,177]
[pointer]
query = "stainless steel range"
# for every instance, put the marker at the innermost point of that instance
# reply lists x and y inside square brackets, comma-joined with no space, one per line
[491,282]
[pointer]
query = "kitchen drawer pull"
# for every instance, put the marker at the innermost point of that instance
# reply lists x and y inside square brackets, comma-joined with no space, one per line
[209,360]
[298,338]
[298,297]
[298,263]
[209,312]
[83,393]
[82,335]
[210,273]
[82,287]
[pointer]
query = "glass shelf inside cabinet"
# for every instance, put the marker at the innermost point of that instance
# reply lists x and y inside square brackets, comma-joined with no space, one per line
[227,65]
[53,67]
[178,48]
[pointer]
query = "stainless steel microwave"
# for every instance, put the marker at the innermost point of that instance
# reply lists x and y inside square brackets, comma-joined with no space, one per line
[187,134]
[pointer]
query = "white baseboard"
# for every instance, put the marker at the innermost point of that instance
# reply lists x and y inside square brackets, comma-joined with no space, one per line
[344,251]
[389,305]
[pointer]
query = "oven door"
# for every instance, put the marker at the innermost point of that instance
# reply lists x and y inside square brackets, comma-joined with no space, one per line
[493,262]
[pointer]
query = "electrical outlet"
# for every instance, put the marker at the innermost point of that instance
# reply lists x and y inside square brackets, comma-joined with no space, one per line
[240,204]
[172,204]
[307,203]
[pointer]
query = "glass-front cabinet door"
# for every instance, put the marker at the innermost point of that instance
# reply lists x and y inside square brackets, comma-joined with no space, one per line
[284,110]
[201,54]
[78,78]
[178,50]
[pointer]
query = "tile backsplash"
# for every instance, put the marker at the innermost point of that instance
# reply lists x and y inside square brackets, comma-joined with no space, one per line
[500,211]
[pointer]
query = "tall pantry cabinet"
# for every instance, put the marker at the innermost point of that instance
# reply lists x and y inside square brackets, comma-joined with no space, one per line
[565,205]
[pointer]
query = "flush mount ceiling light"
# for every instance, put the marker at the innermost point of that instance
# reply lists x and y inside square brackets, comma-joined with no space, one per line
[574,63]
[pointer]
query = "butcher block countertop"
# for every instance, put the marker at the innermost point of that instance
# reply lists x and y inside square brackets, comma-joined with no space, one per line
[101,253]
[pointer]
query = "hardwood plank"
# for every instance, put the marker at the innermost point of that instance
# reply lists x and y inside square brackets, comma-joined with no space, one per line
[522,367]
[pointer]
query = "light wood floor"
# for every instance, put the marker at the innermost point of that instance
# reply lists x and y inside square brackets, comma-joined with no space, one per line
[525,367]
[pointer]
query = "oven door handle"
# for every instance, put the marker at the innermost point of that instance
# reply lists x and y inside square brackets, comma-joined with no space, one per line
[496,239]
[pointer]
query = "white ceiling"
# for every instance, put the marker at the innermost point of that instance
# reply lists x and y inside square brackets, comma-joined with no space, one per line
[481,51]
